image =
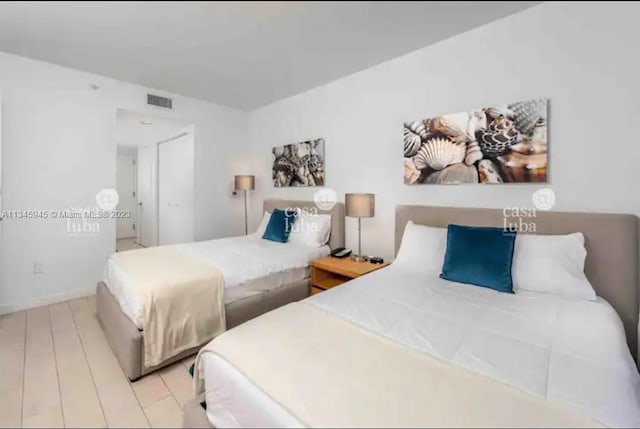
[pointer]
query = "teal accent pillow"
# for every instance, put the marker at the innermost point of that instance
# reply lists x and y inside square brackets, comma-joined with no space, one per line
[480,256]
[279,226]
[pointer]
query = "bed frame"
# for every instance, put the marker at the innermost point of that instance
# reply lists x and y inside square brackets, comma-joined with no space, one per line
[126,339]
[612,265]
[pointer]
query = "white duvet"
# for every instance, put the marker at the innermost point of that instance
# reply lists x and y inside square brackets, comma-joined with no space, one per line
[569,352]
[249,265]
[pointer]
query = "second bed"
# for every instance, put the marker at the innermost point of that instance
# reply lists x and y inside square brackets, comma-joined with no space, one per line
[259,275]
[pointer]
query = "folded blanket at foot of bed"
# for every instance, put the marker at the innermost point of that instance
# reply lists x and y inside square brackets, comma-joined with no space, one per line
[328,372]
[184,299]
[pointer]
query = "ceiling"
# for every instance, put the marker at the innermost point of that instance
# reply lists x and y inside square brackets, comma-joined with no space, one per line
[136,129]
[238,54]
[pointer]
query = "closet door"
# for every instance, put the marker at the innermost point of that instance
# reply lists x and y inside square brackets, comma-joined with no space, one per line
[176,190]
[147,196]
[2,271]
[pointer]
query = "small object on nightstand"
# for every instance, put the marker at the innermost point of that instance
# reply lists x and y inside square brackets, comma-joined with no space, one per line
[340,252]
[376,260]
[329,272]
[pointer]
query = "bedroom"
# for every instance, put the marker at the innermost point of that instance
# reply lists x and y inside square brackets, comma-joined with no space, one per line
[57,154]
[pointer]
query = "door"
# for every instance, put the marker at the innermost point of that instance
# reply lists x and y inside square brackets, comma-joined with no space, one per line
[147,195]
[126,186]
[175,190]
[3,280]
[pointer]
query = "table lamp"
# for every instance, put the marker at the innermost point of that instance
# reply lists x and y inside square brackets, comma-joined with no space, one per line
[245,183]
[360,205]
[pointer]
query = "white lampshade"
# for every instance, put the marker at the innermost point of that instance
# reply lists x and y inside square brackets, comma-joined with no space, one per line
[360,205]
[245,183]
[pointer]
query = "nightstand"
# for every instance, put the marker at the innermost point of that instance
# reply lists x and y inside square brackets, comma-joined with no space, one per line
[330,272]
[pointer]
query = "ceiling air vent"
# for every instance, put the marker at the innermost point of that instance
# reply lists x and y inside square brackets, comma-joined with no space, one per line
[156,100]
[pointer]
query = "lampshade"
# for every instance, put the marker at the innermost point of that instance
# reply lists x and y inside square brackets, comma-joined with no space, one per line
[360,205]
[245,183]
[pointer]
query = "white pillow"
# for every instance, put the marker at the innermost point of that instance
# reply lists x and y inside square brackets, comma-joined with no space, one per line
[311,229]
[263,224]
[551,264]
[423,248]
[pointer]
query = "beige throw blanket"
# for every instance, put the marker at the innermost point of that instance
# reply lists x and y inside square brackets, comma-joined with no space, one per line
[327,372]
[183,298]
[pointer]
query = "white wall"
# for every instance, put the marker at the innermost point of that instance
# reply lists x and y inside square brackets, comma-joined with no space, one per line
[581,56]
[126,186]
[60,149]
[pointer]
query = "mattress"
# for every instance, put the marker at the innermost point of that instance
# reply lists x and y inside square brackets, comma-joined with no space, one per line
[249,264]
[569,352]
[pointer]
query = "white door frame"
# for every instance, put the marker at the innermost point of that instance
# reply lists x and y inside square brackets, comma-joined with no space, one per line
[141,225]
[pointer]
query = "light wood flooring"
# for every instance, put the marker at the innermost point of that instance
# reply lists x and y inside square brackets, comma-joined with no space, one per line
[57,370]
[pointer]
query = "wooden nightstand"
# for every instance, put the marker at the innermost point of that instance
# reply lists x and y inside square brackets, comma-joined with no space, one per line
[330,272]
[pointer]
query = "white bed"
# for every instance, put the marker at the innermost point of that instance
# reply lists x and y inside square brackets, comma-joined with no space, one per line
[249,265]
[570,352]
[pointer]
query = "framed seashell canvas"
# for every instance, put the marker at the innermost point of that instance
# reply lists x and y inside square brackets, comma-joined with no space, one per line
[299,164]
[500,144]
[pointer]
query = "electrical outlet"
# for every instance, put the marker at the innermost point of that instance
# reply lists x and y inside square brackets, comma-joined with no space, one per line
[38,267]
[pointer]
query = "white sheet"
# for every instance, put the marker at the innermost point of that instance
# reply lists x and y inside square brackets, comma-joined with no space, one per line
[249,265]
[570,352]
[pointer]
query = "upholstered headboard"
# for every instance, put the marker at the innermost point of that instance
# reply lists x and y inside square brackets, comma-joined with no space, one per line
[611,241]
[337,216]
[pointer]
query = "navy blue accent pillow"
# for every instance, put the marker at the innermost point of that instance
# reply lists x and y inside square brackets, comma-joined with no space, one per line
[279,226]
[480,256]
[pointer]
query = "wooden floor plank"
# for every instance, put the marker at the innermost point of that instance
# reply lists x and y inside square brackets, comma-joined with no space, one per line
[57,369]
[119,403]
[12,345]
[80,404]
[41,395]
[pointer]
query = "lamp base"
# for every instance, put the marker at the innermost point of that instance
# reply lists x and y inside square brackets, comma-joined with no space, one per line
[358,258]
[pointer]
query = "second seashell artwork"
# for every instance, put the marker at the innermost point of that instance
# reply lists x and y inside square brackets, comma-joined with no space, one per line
[497,144]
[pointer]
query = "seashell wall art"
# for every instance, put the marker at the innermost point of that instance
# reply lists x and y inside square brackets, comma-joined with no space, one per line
[299,164]
[497,144]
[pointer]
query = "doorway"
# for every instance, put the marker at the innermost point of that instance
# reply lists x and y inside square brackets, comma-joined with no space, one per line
[2,271]
[155,179]
[126,185]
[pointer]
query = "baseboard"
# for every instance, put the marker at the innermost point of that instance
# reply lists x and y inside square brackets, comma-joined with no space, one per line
[47,300]
[6,309]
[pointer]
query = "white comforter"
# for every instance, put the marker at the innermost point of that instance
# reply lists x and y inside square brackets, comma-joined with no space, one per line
[249,265]
[570,352]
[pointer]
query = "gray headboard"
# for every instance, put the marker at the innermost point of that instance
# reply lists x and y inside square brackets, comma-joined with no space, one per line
[337,216]
[611,241]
